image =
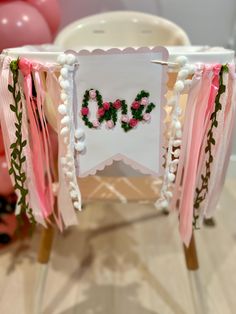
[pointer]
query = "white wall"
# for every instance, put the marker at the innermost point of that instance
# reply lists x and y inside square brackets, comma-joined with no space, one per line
[205,21]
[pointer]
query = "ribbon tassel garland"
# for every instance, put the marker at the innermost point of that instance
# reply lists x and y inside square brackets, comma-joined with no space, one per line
[197,148]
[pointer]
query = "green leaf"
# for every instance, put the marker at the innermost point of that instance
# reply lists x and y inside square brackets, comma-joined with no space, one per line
[18,178]
[15,164]
[213,116]
[225,68]
[23,178]
[20,201]
[209,133]
[222,89]
[18,97]
[24,143]
[13,145]
[24,192]
[14,66]
[11,170]
[10,88]
[17,186]
[215,123]
[213,142]
[20,116]
[13,155]
[23,159]
[18,134]
[13,108]
[196,205]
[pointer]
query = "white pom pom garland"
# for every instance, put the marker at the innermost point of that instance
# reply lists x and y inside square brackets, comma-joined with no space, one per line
[79,133]
[80,146]
[70,59]
[65,84]
[62,109]
[181,85]
[181,60]
[64,131]
[64,73]
[171,177]
[63,96]
[61,59]
[68,62]
[65,120]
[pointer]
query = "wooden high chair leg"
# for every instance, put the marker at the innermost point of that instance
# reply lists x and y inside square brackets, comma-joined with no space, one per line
[45,247]
[191,255]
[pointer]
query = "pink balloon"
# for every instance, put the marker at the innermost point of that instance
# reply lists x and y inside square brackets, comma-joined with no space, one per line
[50,10]
[21,24]
[2,150]
[6,187]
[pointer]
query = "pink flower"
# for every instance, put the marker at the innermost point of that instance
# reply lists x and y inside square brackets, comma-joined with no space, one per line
[96,123]
[110,124]
[146,116]
[85,111]
[144,101]
[101,112]
[106,105]
[124,118]
[92,94]
[25,66]
[133,122]
[135,105]
[117,104]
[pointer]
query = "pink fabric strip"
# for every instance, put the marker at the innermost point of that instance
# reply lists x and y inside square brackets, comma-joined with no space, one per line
[33,181]
[49,162]
[187,130]
[190,173]
[44,137]
[35,150]
[207,121]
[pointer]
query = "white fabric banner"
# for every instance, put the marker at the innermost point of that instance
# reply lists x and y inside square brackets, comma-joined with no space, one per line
[122,75]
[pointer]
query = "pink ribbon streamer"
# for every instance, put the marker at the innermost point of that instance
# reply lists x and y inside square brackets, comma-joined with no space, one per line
[192,159]
[207,121]
[65,205]
[187,129]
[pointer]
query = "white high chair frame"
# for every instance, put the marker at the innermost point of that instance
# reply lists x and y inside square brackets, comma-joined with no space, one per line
[120,29]
[101,30]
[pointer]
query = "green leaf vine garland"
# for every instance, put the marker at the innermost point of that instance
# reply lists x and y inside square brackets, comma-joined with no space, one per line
[201,192]
[17,156]
[108,111]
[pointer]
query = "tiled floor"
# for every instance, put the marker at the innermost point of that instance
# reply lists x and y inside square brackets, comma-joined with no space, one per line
[127,259]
